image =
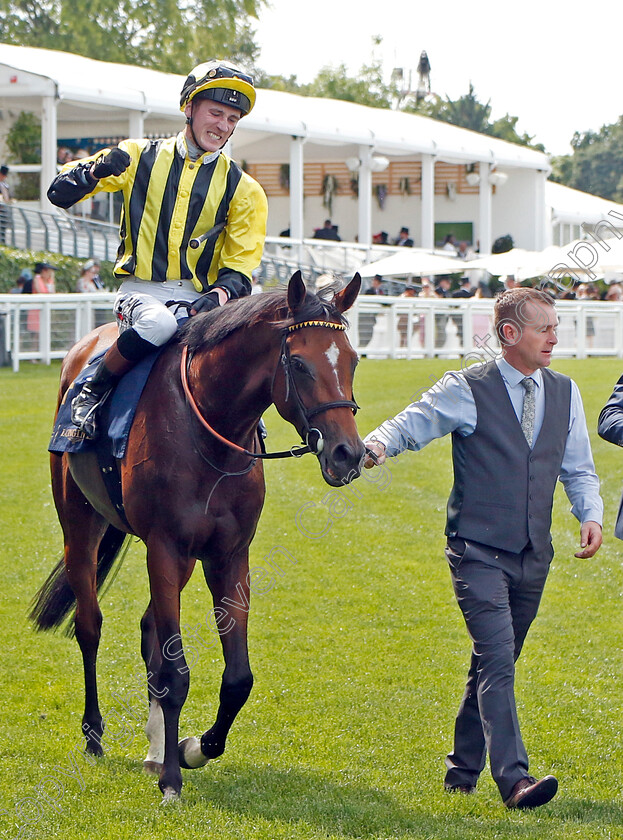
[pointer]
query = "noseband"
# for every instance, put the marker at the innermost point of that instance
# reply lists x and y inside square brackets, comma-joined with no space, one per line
[312,437]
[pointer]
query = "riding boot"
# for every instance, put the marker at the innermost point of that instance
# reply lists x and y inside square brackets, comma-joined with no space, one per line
[85,405]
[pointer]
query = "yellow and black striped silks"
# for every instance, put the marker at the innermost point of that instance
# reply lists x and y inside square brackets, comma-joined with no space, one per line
[169,200]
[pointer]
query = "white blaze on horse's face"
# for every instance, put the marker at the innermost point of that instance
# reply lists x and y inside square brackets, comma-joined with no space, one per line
[333,355]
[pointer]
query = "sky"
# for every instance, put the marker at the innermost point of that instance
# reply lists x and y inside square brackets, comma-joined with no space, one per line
[555,64]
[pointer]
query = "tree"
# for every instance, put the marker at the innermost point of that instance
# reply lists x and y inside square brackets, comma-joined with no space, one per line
[161,34]
[367,88]
[465,112]
[596,164]
[24,143]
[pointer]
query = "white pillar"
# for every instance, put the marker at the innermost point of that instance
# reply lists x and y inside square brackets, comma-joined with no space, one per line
[427,221]
[49,142]
[364,228]
[484,211]
[543,234]
[136,124]
[297,224]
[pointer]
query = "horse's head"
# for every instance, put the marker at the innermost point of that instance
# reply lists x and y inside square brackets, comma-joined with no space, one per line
[315,393]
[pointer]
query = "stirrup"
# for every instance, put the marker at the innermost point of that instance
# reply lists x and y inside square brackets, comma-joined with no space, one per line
[84,410]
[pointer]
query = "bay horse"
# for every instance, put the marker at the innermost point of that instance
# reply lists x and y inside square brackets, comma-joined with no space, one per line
[195,431]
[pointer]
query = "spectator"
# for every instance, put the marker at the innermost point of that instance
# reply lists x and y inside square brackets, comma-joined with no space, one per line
[63,155]
[465,251]
[376,286]
[465,289]
[256,286]
[615,292]
[43,281]
[42,284]
[509,282]
[381,238]
[403,238]
[410,291]
[89,278]
[5,200]
[449,244]
[327,231]
[25,276]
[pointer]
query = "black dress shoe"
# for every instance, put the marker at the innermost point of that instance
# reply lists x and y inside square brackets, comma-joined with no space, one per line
[460,788]
[530,792]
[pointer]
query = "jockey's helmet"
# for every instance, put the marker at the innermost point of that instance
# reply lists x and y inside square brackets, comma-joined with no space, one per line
[221,81]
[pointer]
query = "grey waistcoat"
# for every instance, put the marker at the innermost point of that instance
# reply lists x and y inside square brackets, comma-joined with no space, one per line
[503,491]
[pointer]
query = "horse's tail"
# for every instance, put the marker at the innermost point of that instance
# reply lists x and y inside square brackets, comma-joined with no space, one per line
[54,601]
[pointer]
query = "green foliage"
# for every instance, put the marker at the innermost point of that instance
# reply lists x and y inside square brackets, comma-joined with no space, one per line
[24,144]
[596,164]
[12,262]
[359,654]
[465,112]
[150,33]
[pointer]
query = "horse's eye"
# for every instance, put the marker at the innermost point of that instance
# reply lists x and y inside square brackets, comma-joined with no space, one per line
[299,366]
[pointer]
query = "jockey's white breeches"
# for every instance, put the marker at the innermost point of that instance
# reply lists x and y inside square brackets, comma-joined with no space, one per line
[141,304]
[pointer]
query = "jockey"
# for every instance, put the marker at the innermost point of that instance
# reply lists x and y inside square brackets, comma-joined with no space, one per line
[174,190]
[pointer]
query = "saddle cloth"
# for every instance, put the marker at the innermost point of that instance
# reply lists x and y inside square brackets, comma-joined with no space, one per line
[116,415]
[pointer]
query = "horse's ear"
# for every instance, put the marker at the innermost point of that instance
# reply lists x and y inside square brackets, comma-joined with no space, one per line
[345,299]
[296,292]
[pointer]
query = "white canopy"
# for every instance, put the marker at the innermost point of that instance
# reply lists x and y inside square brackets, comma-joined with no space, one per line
[413,262]
[88,90]
[518,262]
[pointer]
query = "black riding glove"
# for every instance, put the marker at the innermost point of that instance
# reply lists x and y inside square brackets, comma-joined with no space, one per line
[206,302]
[114,163]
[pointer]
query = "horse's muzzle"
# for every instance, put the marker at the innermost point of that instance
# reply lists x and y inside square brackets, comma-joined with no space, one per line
[341,463]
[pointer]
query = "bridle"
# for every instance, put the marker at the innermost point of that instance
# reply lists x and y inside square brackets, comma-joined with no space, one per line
[312,439]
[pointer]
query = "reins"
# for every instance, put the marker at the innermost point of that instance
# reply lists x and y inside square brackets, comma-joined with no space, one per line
[313,437]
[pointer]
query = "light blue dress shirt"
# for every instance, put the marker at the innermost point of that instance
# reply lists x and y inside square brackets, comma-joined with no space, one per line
[449,407]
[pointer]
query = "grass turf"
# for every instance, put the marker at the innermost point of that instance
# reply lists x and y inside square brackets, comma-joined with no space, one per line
[358,650]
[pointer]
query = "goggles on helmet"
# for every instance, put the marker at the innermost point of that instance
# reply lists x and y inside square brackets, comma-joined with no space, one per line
[221,82]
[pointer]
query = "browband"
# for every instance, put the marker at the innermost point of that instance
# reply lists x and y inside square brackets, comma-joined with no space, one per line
[328,324]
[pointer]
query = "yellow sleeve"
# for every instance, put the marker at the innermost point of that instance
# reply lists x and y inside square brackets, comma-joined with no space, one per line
[246,228]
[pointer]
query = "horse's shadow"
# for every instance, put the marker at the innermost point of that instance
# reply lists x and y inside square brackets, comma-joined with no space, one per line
[302,796]
[353,810]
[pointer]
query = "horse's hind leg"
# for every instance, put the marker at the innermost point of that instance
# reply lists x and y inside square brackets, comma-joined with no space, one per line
[83,529]
[230,592]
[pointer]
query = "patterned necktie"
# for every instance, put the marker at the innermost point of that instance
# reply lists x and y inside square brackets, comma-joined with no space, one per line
[527,414]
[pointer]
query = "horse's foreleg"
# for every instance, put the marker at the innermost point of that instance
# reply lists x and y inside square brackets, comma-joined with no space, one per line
[230,591]
[150,651]
[154,728]
[168,573]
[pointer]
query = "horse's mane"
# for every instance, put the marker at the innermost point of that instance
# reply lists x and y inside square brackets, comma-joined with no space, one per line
[204,331]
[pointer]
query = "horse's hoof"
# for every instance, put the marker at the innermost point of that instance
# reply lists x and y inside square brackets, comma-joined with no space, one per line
[190,754]
[152,768]
[170,796]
